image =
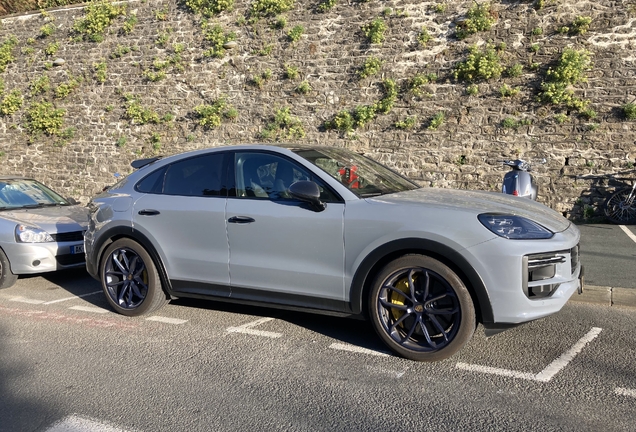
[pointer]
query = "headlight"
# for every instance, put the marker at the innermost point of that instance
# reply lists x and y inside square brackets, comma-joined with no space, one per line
[27,234]
[514,227]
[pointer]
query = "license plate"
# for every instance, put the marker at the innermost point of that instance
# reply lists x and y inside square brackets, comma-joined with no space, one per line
[77,249]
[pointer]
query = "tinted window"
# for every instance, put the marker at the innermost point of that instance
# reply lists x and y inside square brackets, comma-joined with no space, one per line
[262,175]
[197,176]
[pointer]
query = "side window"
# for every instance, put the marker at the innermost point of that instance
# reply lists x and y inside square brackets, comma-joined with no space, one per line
[261,175]
[197,176]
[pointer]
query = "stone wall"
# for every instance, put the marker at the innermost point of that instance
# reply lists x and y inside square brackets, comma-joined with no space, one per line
[98,136]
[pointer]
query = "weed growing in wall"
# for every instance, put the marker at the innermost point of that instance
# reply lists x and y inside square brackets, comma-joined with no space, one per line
[480,65]
[629,111]
[407,123]
[581,25]
[472,89]
[326,5]
[424,37]
[374,31]
[506,91]
[480,17]
[100,71]
[137,113]
[120,51]
[209,8]
[211,116]
[291,72]
[214,34]
[416,84]
[43,117]
[295,33]
[40,85]
[570,70]
[11,103]
[63,90]
[371,66]
[515,70]
[129,24]
[304,88]
[6,52]
[436,121]
[47,30]
[283,126]
[265,8]
[98,17]
[52,48]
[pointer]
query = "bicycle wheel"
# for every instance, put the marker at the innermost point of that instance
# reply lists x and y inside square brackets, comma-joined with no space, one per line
[620,207]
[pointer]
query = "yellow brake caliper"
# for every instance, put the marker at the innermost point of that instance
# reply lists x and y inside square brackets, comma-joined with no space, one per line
[397,299]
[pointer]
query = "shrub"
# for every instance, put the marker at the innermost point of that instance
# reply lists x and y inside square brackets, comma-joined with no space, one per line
[581,25]
[569,71]
[40,85]
[129,23]
[303,88]
[514,70]
[480,65]
[291,72]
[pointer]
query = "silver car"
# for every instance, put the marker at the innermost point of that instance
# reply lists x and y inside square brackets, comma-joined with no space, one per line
[39,230]
[328,230]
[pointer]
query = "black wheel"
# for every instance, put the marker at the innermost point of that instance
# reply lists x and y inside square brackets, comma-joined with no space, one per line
[7,278]
[130,279]
[620,207]
[421,309]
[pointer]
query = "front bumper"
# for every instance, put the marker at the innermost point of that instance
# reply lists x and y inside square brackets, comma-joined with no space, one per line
[31,258]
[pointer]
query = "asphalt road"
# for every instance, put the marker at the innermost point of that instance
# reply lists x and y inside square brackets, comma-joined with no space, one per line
[68,364]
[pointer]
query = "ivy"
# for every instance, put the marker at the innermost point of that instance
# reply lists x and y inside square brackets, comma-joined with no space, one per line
[44,117]
[99,16]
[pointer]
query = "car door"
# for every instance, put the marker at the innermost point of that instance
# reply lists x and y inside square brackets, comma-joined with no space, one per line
[183,212]
[280,249]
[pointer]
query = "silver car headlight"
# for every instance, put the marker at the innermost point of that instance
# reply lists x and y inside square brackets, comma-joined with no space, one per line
[29,234]
[514,227]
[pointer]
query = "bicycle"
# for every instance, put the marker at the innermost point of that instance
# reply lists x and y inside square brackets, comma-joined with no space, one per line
[620,207]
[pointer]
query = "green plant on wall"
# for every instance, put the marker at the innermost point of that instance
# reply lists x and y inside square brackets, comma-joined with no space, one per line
[295,33]
[283,126]
[384,105]
[374,31]
[129,23]
[210,116]
[6,52]
[40,85]
[214,34]
[581,25]
[265,8]
[209,8]
[506,91]
[98,16]
[137,113]
[100,71]
[44,117]
[326,5]
[371,66]
[407,123]
[63,90]
[52,48]
[480,65]
[424,37]
[291,72]
[629,111]
[480,17]
[436,121]
[47,30]
[416,84]
[11,103]
[569,71]
[303,88]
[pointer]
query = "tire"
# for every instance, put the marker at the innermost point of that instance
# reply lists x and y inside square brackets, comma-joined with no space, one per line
[130,279]
[7,278]
[620,207]
[421,309]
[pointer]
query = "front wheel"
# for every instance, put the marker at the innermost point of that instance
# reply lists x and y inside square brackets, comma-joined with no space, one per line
[620,207]
[130,279]
[7,278]
[421,309]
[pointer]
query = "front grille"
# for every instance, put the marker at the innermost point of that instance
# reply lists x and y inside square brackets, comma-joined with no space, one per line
[68,236]
[71,259]
[574,258]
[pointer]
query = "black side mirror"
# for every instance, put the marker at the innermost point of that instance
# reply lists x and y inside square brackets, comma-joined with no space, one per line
[72,201]
[307,191]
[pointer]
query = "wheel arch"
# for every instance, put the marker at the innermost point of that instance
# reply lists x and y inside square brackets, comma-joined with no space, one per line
[117,233]
[386,253]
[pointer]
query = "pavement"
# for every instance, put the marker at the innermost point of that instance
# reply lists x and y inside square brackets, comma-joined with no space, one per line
[608,253]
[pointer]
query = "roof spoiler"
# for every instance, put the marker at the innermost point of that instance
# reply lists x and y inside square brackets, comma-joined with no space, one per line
[136,164]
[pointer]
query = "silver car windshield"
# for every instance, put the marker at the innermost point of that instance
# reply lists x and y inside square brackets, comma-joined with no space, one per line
[24,193]
[363,176]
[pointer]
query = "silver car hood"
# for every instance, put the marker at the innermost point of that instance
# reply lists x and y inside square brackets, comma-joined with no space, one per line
[480,202]
[53,220]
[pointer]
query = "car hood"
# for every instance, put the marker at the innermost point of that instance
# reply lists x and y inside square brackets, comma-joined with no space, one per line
[478,202]
[51,219]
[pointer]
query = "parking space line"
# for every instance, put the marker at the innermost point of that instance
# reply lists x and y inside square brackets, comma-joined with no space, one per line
[247,329]
[89,309]
[26,300]
[166,320]
[625,392]
[73,297]
[628,232]
[546,374]
[357,349]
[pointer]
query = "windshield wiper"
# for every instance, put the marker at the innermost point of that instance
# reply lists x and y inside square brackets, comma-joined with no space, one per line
[371,194]
[32,206]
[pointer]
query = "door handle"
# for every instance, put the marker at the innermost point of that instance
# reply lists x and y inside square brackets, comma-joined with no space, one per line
[241,220]
[148,212]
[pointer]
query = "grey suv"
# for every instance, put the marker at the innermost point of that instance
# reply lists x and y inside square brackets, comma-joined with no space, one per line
[325,229]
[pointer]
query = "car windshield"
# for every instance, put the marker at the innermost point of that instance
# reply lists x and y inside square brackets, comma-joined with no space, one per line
[363,176]
[24,193]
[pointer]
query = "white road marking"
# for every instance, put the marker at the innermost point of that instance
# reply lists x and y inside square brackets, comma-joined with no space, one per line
[89,309]
[357,349]
[546,374]
[625,392]
[26,300]
[247,329]
[166,320]
[628,232]
[71,298]
[75,423]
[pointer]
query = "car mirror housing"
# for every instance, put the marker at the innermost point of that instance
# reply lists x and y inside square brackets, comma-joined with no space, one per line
[307,191]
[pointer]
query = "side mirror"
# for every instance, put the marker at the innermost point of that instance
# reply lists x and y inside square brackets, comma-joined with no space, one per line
[72,201]
[309,192]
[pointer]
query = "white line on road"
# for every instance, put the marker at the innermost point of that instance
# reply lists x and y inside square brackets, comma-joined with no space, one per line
[26,300]
[546,374]
[357,349]
[628,232]
[89,309]
[75,423]
[74,297]
[166,320]
[247,329]
[625,392]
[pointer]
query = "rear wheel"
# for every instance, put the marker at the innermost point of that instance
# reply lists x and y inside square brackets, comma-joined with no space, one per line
[130,279]
[421,309]
[7,278]
[620,207]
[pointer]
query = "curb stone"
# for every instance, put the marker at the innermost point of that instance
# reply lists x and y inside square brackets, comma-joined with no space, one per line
[609,296]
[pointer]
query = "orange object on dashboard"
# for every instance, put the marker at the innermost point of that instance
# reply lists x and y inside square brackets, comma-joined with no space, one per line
[349,177]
